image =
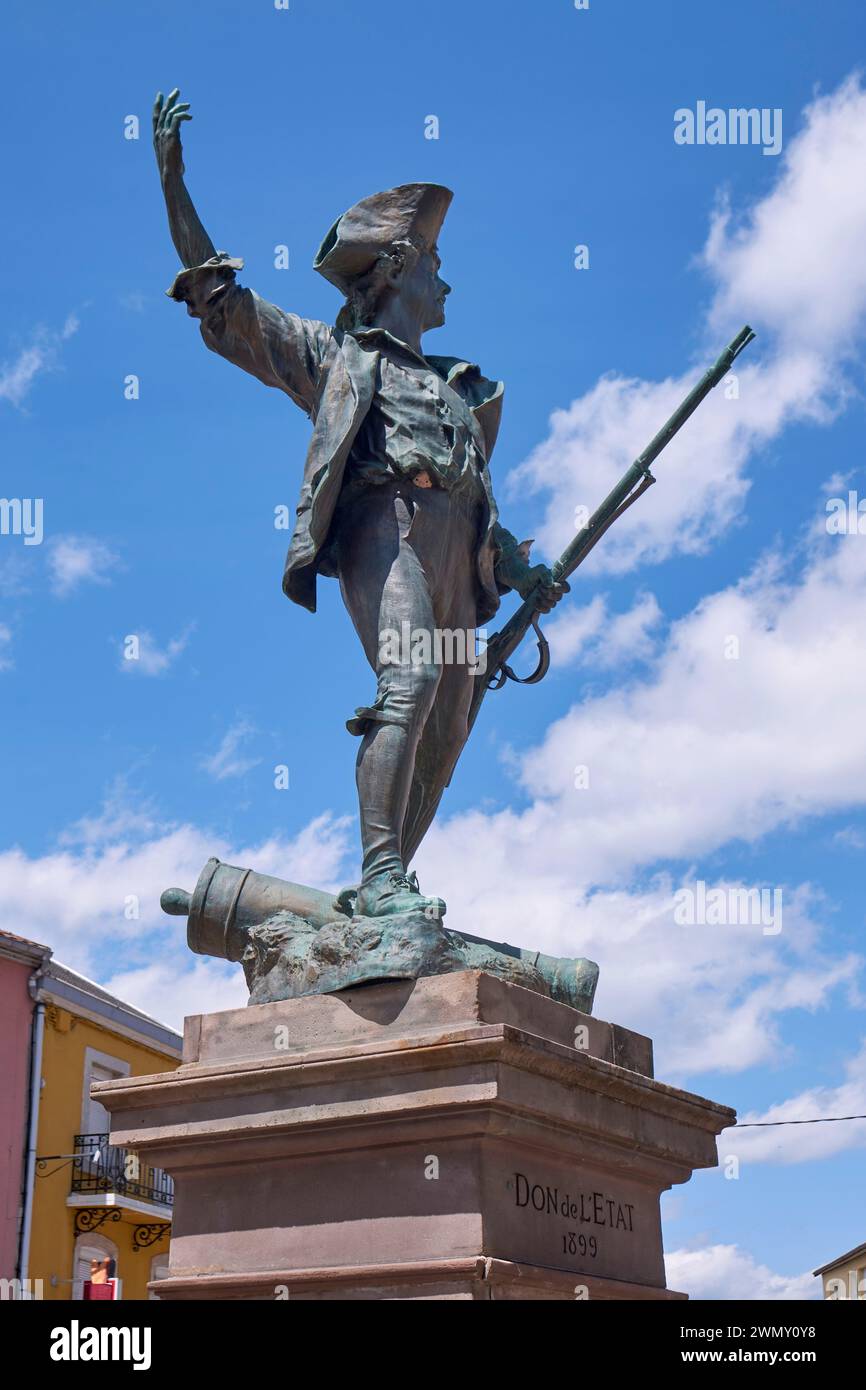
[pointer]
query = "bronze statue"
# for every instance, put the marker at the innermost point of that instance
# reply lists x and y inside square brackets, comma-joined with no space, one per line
[396,503]
[396,500]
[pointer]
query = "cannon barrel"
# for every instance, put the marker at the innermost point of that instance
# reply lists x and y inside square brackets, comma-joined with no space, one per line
[227,901]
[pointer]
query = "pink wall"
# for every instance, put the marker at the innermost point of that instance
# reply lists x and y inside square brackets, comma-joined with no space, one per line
[16,1009]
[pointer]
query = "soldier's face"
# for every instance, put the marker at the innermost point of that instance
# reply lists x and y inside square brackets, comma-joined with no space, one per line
[423,291]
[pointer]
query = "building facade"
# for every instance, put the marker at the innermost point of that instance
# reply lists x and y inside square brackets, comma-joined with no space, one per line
[82,1202]
[20,964]
[845,1277]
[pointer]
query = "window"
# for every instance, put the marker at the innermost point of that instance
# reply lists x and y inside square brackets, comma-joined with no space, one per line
[88,1248]
[98,1066]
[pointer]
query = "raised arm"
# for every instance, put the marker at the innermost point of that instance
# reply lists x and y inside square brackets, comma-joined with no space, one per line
[279,348]
[192,243]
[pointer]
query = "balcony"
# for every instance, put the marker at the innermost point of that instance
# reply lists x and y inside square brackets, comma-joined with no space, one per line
[100,1168]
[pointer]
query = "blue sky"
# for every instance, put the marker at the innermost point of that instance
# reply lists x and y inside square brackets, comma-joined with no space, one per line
[555,129]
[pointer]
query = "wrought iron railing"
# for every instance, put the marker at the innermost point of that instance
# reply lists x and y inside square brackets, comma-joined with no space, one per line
[102,1167]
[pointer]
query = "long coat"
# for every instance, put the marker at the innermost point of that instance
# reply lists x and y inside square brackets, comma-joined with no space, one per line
[331,375]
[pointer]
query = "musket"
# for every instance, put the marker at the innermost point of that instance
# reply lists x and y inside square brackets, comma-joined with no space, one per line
[632,485]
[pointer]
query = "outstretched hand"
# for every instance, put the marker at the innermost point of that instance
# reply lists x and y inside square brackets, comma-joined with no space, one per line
[168,113]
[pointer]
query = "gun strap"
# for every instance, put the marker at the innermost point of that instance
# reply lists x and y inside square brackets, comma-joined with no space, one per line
[505,672]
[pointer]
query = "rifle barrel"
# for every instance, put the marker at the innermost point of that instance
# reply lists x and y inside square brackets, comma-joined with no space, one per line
[573,553]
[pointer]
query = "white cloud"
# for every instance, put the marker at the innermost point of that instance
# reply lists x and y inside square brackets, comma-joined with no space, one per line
[15,573]
[837,483]
[228,760]
[573,632]
[151,659]
[628,636]
[169,993]
[41,355]
[595,637]
[74,899]
[795,261]
[802,1143]
[727,1272]
[708,749]
[124,815]
[134,301]
[851,837]
[792,266]
[75,560]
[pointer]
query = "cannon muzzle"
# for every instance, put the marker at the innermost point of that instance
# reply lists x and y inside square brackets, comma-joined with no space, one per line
[227,901]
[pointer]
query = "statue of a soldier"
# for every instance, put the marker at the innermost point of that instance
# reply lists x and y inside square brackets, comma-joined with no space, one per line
[396,500]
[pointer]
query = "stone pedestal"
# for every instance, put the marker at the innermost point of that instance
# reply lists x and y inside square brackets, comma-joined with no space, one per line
[454,1137]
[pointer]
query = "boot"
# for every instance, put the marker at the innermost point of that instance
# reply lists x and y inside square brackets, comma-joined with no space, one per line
[391,892]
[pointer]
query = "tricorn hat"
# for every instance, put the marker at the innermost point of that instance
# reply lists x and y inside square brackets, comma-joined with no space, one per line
[414,212]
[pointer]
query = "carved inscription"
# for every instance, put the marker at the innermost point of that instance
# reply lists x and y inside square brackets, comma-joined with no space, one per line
[587,1211]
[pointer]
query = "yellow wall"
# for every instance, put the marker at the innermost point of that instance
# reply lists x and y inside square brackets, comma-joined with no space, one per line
[846,1279]
[53,1239]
